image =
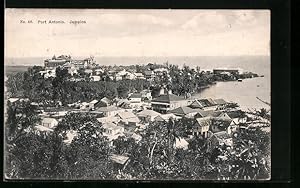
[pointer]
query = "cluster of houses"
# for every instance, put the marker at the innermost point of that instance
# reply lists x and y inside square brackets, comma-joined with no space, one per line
[130,117]
[94,71]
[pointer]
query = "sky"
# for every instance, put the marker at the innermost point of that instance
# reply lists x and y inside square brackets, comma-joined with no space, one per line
[137,32]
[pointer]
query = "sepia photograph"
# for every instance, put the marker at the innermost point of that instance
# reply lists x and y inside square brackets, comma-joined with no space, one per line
[137,94]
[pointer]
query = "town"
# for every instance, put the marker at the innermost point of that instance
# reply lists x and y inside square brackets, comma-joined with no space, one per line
[146,115]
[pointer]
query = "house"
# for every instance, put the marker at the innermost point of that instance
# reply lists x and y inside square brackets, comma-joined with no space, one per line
[72,70]
[49,122]
[56,62]
[201,126]
[71,134]
[237,116]
[110,110]
[222,124]
[129,76]
[205,104]
[219,138]
[88,71]
[181,143]
[84,105]
[136,137]
[196,104]
[226,70]
[160,71]
[149,75]
[48,73]
[167,102]
[95,78]
[92,104]
[43,128]
[128,118]
[139,75]
[220,101]
[106,101]
[135,98]
[110,119]
[165,117]
[98,71]
[124,75]
[147,115]
[111,129]
[13,100]
[119,159]
[183,111]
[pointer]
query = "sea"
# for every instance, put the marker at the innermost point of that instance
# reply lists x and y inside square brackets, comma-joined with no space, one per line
[244,93]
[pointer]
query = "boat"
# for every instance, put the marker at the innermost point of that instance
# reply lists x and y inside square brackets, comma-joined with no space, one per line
[240,80]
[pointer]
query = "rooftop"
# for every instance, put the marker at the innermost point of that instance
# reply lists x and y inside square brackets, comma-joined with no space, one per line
[146,113]
[168,98]
[49,120]
[126,115]
[182,110]
[108,109]
[220,101]
[136,95]
[121,159]
[206,121]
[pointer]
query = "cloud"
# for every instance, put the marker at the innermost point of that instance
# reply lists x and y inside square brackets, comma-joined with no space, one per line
[209,21]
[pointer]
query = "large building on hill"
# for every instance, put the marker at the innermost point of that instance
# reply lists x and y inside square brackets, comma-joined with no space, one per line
[167,102]
[67,61]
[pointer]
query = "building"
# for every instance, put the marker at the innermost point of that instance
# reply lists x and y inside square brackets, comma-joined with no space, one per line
[111,129]
[201,127]
[56,62]
[48,73]
[95,78]
[72,70]
[222,124]
[110,119]
[205,104]
[226,70]
[88,71]
[92,104]
[149,75]
[139,75]
[237,117]
[49,122]
[106,101]
[184,111]
[147,115]
[167,102]
[124,75]
[129,76]
[84,105]
[160,71]
[110,110]
[217,139]
[181,143]
[128,118]
[165,117]
[98,71]
[135,98]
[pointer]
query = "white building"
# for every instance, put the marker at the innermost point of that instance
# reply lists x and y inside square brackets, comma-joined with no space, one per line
[135,98]
[49,122]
